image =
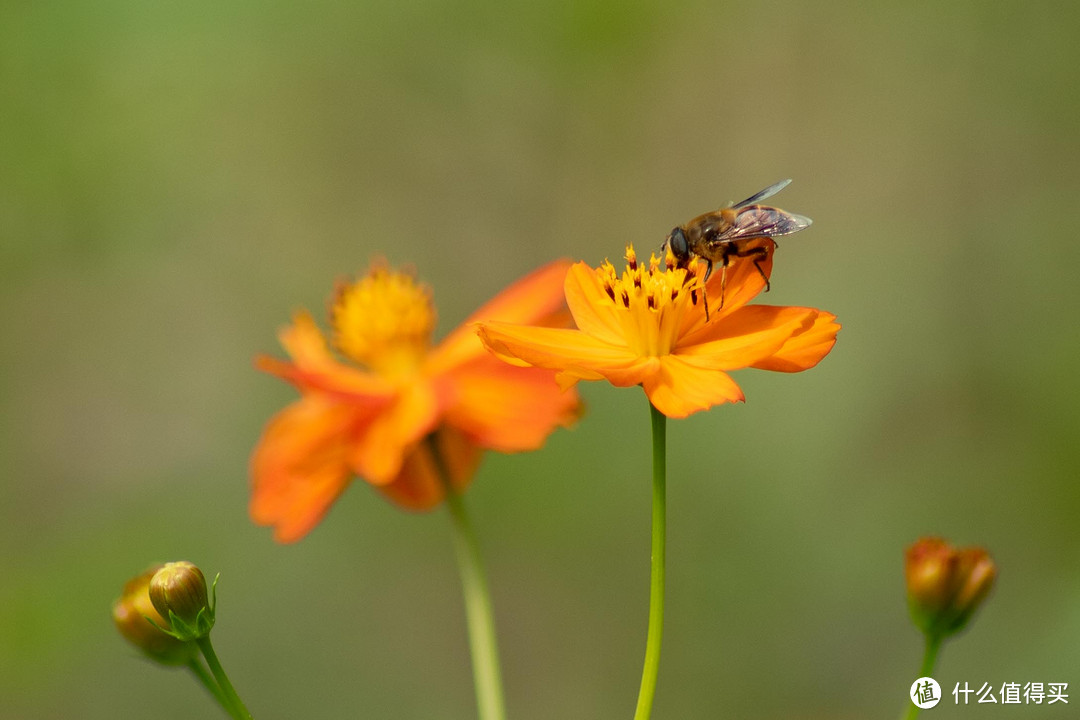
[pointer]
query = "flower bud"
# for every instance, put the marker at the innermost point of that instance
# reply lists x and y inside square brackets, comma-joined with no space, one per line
[138,621]
[178,592]
[946,585]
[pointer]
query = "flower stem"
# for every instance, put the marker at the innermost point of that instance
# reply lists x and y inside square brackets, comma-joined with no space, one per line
[479,615]
[232,701]
[933,644]
[656,586]
[207,681]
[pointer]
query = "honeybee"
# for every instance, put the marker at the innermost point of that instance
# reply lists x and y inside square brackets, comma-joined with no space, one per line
[721,235]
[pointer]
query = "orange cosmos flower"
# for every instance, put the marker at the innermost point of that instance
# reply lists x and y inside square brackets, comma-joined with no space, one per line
[648,327]
[371,418]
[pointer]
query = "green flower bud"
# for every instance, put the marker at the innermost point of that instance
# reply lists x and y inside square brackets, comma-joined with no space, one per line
[178,592]
[139,623]
[946,585]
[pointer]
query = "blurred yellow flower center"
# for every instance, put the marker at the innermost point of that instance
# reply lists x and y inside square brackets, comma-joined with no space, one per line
[650,302]
[384,321]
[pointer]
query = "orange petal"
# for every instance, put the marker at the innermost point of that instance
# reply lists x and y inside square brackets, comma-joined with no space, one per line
[536,299]
[571,352]
[419,486]
[506,408]
[315,368]
[299,466]
[678,389]
[379,451]
[806,349]
[589,303]
[459,456]
[746,336]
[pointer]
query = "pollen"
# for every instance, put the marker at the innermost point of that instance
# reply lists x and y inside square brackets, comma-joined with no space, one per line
[646,287]
[384,321]
[650,301]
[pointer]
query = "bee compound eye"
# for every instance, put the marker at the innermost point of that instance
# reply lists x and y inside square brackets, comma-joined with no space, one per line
[677,242]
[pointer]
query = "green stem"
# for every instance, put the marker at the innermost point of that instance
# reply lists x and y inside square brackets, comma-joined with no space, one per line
[207,681]
[933,645]
[479,615]
[233,703]
[656,586]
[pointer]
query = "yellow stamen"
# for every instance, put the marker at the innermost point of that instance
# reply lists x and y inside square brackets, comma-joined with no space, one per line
[384,321]
[641,293]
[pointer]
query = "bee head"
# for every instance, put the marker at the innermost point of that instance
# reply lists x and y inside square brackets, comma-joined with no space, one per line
[680,248]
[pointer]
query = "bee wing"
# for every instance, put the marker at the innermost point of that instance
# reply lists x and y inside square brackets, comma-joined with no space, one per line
[763,221]
[766,193]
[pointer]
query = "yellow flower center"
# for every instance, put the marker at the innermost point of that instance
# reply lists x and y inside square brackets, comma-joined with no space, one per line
[651,303]
[384,321]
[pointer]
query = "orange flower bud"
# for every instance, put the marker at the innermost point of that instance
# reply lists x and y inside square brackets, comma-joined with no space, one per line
[133,613]
[945,585]
[178,592]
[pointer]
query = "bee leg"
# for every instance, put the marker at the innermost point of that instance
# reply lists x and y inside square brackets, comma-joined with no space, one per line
[705,293]
[757,264]
[725,260]
[723,284]
[758,254]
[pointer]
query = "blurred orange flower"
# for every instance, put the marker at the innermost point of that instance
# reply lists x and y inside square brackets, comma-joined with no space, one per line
[372,418]
[946,585]
[648,327]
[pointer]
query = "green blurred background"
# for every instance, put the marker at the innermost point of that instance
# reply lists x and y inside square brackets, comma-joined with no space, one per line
[177,178]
